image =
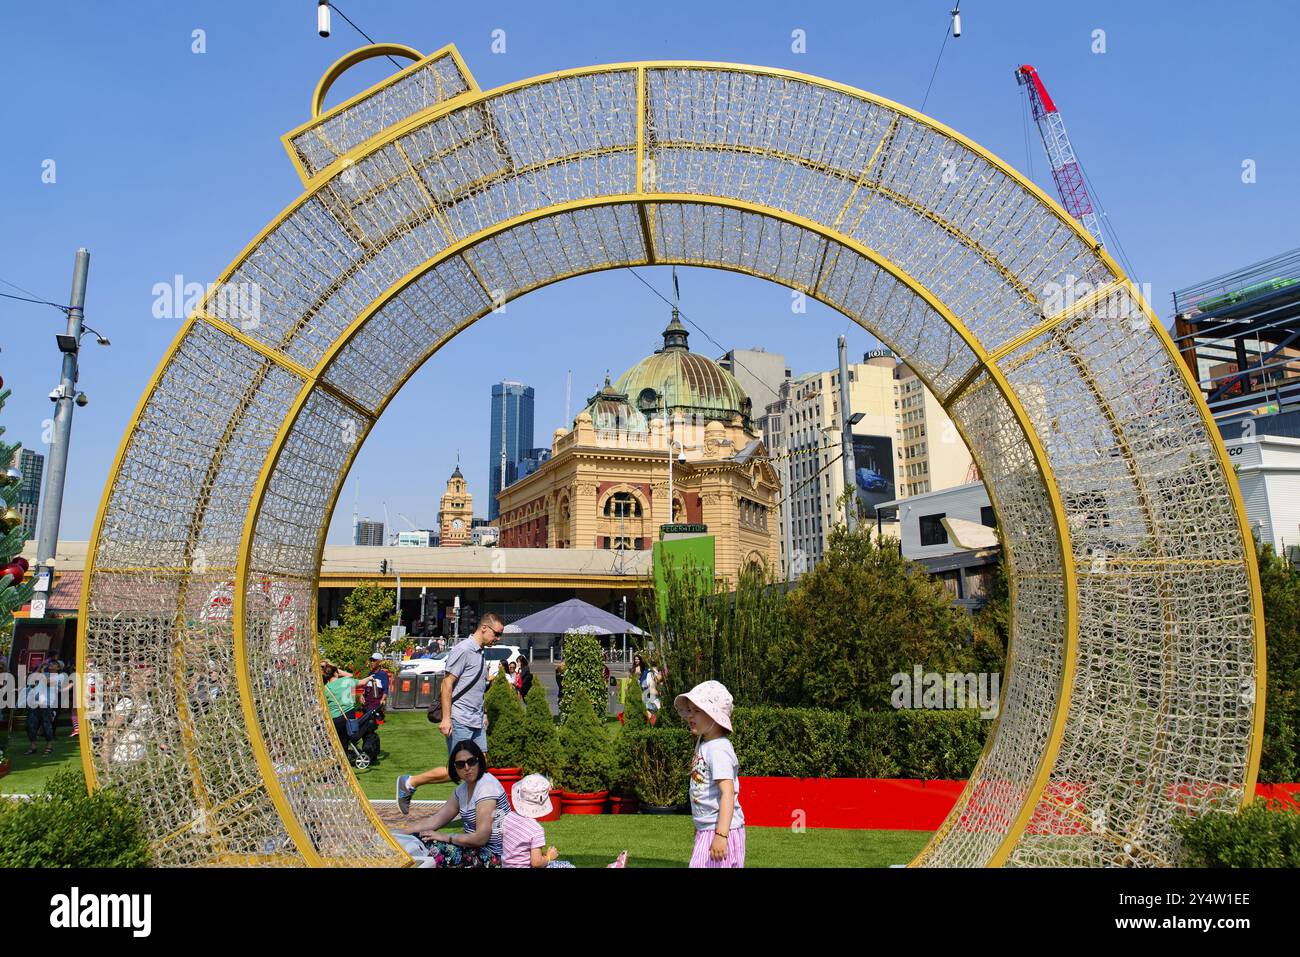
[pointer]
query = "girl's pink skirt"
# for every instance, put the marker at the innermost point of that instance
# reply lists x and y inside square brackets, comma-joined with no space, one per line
[735,849]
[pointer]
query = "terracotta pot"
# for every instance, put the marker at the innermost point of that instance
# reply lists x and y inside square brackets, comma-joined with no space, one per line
[592,803]
[557,808]
[619,804]
[507,777]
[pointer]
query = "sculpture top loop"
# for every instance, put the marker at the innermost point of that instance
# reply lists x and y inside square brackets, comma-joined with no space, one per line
[348,61]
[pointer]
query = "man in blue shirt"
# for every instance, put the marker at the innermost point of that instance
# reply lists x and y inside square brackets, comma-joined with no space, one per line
[463,684]
[376,690]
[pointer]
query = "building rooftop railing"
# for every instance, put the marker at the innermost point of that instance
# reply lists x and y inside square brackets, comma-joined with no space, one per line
[1268,277]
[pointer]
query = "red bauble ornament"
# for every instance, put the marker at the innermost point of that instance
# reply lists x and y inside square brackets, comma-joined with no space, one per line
[14,569]
[23,562]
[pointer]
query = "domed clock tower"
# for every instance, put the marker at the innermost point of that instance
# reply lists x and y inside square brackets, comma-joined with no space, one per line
[456,511]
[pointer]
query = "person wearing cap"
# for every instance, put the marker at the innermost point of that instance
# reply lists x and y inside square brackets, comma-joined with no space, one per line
[376,687]
[715,777]
[522,838]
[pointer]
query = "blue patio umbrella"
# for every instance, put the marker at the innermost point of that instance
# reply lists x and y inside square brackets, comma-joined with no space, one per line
[574,615]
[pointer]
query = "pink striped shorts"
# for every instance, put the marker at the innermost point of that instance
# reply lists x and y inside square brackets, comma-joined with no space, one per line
[735,849]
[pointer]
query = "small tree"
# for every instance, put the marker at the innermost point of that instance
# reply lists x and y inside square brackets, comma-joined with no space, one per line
[506,731]
[634,722]
[861,615]
[584,671]
[498,694]
[541,747]
[366,619]
[585,747]
[1280,585]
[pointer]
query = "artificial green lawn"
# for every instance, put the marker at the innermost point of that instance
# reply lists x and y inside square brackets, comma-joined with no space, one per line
[411,744]
[29,773]
[666,841]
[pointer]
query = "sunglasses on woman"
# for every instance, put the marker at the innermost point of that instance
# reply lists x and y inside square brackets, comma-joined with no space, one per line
[466,764]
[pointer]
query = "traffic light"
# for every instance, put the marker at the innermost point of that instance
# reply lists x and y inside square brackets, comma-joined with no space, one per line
[383,566]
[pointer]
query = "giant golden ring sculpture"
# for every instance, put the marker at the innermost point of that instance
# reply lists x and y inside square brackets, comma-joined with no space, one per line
[1136,670]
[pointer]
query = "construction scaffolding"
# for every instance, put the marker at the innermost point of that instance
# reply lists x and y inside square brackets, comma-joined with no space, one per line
[1239,333]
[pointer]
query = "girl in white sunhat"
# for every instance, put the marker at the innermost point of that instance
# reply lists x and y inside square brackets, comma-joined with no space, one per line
[522,838]
[715,777]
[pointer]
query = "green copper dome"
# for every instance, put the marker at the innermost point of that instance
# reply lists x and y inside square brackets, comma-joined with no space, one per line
[687,381]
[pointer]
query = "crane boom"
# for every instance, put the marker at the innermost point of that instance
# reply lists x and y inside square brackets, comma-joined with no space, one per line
[1060,152]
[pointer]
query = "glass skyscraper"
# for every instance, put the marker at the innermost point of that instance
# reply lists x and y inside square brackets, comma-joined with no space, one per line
[512,434]
[32,465]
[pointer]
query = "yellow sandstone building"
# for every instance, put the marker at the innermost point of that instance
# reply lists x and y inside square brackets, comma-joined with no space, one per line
[607,482]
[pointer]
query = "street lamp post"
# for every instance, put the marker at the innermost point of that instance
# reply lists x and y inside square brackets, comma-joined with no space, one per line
[65,397]
[846,439]
[624,608]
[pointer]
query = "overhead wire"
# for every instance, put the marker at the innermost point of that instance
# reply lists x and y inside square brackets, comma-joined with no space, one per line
[349,22]
[1025,112]
[700,328]
[1104,218]
[39,302]
[947,30]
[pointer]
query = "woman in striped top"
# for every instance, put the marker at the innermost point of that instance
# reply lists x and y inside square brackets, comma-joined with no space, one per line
[481,802]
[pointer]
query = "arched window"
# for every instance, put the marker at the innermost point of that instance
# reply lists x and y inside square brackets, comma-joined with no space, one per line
[622,505]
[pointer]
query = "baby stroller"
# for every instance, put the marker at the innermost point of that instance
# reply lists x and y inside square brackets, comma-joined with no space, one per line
[364,744]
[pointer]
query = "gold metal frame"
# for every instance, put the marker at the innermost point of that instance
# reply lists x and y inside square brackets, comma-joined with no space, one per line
[646,202]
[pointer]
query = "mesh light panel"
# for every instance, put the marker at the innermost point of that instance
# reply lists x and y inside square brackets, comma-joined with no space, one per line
[1135,669]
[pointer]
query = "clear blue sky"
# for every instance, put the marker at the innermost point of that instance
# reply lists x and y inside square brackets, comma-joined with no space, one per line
[168,162]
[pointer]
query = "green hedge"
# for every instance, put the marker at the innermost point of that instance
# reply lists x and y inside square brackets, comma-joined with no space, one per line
[817,742]
[810,742]
[66,827]
[1258,836]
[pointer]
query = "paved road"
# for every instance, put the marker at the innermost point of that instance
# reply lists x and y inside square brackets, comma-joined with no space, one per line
[544,671]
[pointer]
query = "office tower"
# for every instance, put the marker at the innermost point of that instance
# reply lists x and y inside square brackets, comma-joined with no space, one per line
[511,437]
[366,532]
[31,464]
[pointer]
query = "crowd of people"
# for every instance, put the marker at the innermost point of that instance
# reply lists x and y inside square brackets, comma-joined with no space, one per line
[503,831]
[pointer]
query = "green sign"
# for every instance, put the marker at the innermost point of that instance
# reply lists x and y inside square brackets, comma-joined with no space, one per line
[682,553]
[684,529]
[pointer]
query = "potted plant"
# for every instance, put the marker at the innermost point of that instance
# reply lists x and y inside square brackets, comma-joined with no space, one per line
[588,758]
[584,669]
[541,748]
[506,733]
[624,800]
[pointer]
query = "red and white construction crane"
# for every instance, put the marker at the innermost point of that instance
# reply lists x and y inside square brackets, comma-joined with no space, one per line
[1060,153]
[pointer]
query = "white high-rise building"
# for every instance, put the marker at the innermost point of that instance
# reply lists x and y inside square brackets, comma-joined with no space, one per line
[930,452]
[904,444]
